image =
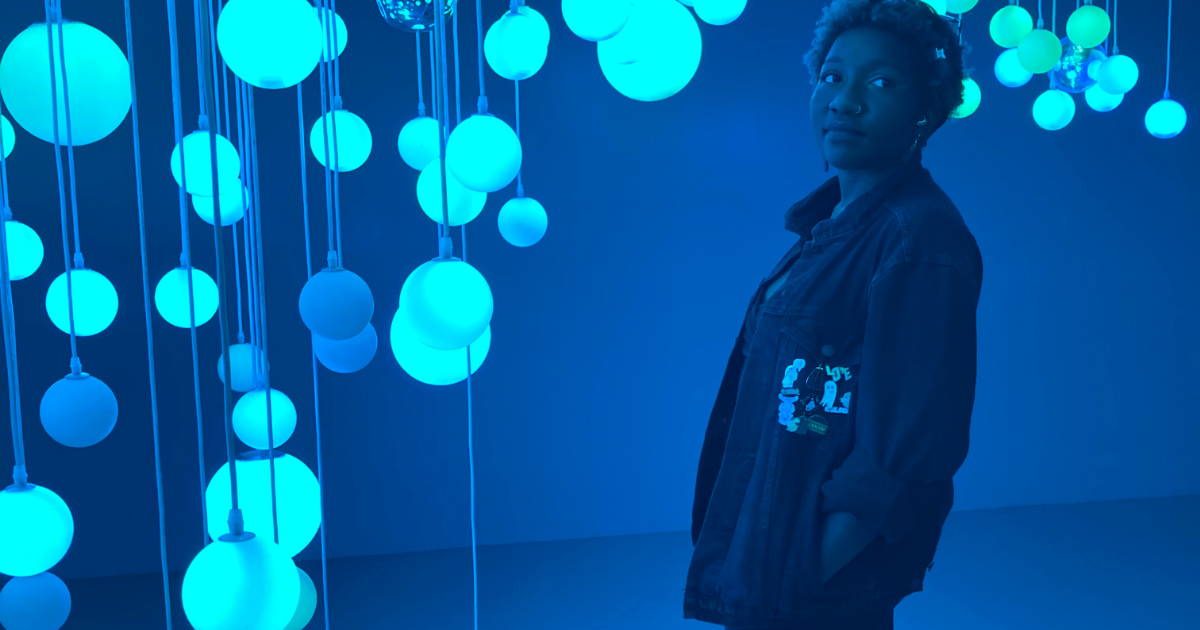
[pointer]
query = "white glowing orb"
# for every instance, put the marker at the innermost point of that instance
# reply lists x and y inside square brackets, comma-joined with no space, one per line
[719,12]
[1009,71]
[196,157]
[1166,119]
[308,603]
[233,204]
[1102,101]
[243,371]
[251,584]
[25,250]
[1117,74]
[656,54]
[431,366]
[418,142]
[336,37]
[522,222]
[94,302]
[464,204]
[484,153]
[353,145]
[596,20]
[174,300]
[448,303]
[336,303]
[272,44]
[297,500]
[513,47]
[36,541]
[8,137]
[250,419]
[1053,110]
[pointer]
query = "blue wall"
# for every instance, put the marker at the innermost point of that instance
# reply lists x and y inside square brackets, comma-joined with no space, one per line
[610,336]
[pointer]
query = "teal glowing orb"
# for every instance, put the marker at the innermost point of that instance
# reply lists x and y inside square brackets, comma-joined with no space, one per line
[464,204]
[94,302]
[40,537]
[1039,51]
[1102,101]
[523,222]
[484,153]
[272,44]
[250,419]
[242,369]
[1166,119]
[1053,110]
[722,12]
[8,137]
[596,20]
[667,54]
[513,47]
[79,411]
[1088,26]
[174,301]
[434,367]
[1009,71]
[938,6]
[960,6]
[97,82]
[347,356]
[250,584]
[308,603]
[972,97]
[448,303]
[1010,25]
[353,140]
[1117,74]
[336,37]
[234,204]
[197,155]
[25,251]
[297,500]
[39,602]
[336,303]
[418,142]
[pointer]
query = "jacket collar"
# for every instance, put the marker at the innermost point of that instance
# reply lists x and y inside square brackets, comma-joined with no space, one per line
[811,216]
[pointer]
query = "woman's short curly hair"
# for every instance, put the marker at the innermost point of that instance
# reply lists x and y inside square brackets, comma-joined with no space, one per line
[915,22]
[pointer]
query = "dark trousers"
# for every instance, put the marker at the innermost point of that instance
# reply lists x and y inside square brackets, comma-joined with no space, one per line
[882,620]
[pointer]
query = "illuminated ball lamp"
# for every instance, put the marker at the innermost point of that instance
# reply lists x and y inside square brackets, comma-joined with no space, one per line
[336,303]
[418,142]
[79,411]
[464,204]
[36,541]
[514,48]
[233,204]
[938,6]
[353,142]
[722,12]
[241,583]
[308,603]
[1117,75]
[8,137]
[97,83]
[1039,51]
[350,355]
[242,369]
[484,153]
[664,41]
[1053,110]
[1088,26]
[960,6]
[174,301]
[1166,119]
[337,38]
[1009,71]
[972,96]
[38,602]
[297,499]
[686,3]
[271,44]
[543,27]
[197,158]
[596,20]
[25,250]
[430,366]
[94,302]
[448,303]
[1102,101]
[522,222]
[250,419]
[1010,25]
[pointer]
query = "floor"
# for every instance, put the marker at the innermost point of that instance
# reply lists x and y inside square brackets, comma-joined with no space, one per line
[1126,564]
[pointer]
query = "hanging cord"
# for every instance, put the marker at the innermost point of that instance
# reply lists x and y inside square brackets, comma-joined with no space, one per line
[483,104]
[1116,7]
[237,272]
[62,61]
[336,74]
[327,121]
[328,128]
[420,80]
[1041,23]
[1170,11]
[457,74]
[20,478]
[1053,15]
[434,85]
[244,153]
[520,183]
[445,243]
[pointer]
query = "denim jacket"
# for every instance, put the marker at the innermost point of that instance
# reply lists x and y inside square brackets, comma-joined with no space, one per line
[850,389]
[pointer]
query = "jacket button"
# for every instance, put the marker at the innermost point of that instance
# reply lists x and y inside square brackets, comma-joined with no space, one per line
[827,351]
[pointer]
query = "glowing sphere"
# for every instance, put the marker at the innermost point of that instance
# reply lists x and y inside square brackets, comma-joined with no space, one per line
[1102,101]
[1010,25]
[960,6]
[464,204]
[686,3]
[483,153]
[938,6]
[79,411]
[350,355]
[1009,71]
[448,303]
[94,302]
[513,47]
[596,20]
[1088,26]
[418,142]
[271,44]
[337,38]
[336,304]
[353,140]
[97,83]
[722,12]
[972,96]
[522,222]
[1053,110]
[249,584]
[308,603]
[8,137]
[414,16]
[430,366]
[197,157]
[25,251]
[242,370]
[297,499]
[1166,119]
[250,419]
[39,602]
[1117,75]
[174,301]
[1039,51]
[233,205]
[665,43]
[36,541]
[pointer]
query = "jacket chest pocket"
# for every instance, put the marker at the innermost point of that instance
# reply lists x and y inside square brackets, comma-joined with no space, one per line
[820,404]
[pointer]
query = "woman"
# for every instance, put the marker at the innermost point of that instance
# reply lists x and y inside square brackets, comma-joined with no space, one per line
[826,472]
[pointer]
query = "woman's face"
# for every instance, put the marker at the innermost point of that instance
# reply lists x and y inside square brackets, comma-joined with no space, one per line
[865,107]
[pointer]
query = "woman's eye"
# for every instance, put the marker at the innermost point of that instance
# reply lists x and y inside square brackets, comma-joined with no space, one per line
[829,77]
[882,82]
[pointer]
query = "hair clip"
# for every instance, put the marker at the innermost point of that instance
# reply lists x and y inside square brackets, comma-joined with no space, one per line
[941,54]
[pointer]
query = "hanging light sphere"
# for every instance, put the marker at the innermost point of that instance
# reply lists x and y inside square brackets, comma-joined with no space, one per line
[250,419]
[1117,75]
[1053,110]
[484,153]
[328,38]
[1010,25]
[197,155]
[430,366]
[960,6]
[270,44]
[938,6]
[414,16]
[350,355]
[336,303]
[1166,119]
[722,12]
[972,96]
[79,411]
[97,83]
[233,206]
[94,302]
[1088,26]
[418,142]
[523,222]
[308,603]
[513,47]
[297,499]
[596,20]
[1039,51]
[25,251]
[465,204]
[666,46]
[353,140]
[174,301]
[1076,71]
[39,602]
[1102,101]
[686,3]
[1009,71]
[448,303]
[543,27]
[8,137]
[36,541]
[242,369]
[250,584]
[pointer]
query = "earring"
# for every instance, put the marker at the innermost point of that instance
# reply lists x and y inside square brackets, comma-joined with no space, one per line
[922,122]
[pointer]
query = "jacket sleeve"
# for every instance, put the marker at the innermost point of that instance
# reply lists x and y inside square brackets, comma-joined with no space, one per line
[916,393]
